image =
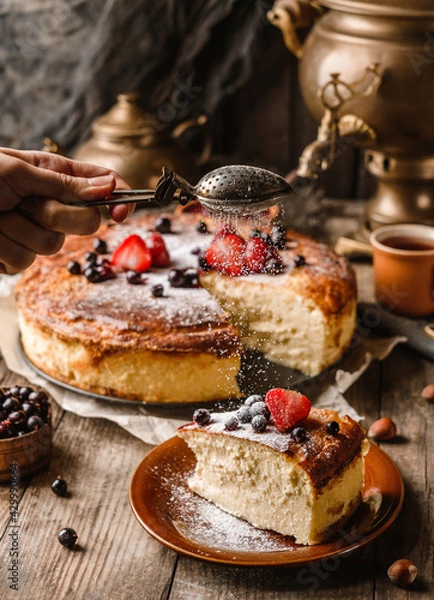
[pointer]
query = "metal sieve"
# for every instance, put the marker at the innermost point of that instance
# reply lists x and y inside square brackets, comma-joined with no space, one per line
[229,190]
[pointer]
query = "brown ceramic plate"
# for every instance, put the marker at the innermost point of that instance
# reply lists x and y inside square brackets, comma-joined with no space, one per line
[185,522]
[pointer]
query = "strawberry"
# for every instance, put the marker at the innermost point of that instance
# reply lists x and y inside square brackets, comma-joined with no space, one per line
[160,255]
[287,407]
[226,255]
[224,230]
[259,255]
[132,254]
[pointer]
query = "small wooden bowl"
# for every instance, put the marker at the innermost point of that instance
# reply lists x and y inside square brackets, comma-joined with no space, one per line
[28,453]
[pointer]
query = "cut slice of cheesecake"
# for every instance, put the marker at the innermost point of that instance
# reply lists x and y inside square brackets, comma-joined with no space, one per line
[306,486]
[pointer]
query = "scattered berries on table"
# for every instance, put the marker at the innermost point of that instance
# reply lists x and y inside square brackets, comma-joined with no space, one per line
[59,486]
[67,537]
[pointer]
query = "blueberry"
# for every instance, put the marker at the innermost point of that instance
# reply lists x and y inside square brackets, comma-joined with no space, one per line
[232,423]
[177,278]
[67,537]
[74,267]
[299,434]
[34,423]
[201,416]
[244,414]
[163,225]
[191,278]
[104,271]
[299,260]
[260,408]
[332,427]
[259,423]
[256,233]
[38,396]
[90,257]
[100,246]
[11,404]
[252,399]
[278,236]
[196,251]
[157,290]
[135,277]
[59,486]
[202,227]
[203,263]
[92,275]
[24,392]
[31,408]
[18,417]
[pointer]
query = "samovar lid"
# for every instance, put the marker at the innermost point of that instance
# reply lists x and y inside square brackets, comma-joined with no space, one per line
[390,8]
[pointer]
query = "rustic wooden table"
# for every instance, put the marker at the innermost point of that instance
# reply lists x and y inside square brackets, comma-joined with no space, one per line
[116,559]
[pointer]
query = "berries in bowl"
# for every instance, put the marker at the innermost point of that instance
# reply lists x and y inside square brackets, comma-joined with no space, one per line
[25,431]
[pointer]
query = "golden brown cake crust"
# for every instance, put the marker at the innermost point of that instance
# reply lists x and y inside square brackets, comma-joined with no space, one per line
[114,315]
[322,455]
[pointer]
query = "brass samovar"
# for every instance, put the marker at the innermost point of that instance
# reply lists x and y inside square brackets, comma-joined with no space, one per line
[366,73]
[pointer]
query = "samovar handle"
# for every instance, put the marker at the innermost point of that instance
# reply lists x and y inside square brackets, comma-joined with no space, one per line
[290,15]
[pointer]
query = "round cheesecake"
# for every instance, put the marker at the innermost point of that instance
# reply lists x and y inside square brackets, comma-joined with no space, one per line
[119,339]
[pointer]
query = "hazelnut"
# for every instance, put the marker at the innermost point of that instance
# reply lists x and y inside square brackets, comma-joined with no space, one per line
[382,429]
[402,572]
[428,392]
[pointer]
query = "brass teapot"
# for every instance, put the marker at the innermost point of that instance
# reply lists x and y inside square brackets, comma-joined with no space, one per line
[128,140]
[366,73]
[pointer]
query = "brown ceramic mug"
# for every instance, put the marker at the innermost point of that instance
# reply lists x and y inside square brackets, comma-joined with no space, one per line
[403,258]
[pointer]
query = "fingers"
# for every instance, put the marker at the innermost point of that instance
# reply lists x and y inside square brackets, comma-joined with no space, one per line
[16,228]
[14,258]
[53,216]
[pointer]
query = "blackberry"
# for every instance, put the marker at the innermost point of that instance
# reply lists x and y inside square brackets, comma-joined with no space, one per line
[259,423]
[74,267]
[67,537]
[332,427]
[201,416]
[163,225]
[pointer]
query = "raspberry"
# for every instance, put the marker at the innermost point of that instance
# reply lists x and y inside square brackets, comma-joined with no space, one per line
[287,407]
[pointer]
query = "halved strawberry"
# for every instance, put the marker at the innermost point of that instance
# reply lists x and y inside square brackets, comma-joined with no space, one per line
[157,246]
[259,255]
[287,407]
[132,254]
[226,254]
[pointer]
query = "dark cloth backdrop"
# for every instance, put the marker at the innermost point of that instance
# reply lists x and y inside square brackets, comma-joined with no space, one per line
[63,62]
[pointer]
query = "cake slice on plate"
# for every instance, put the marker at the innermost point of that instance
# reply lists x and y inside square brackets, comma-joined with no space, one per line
[280,464]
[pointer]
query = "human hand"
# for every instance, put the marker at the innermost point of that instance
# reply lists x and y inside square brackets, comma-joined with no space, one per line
[32,218]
